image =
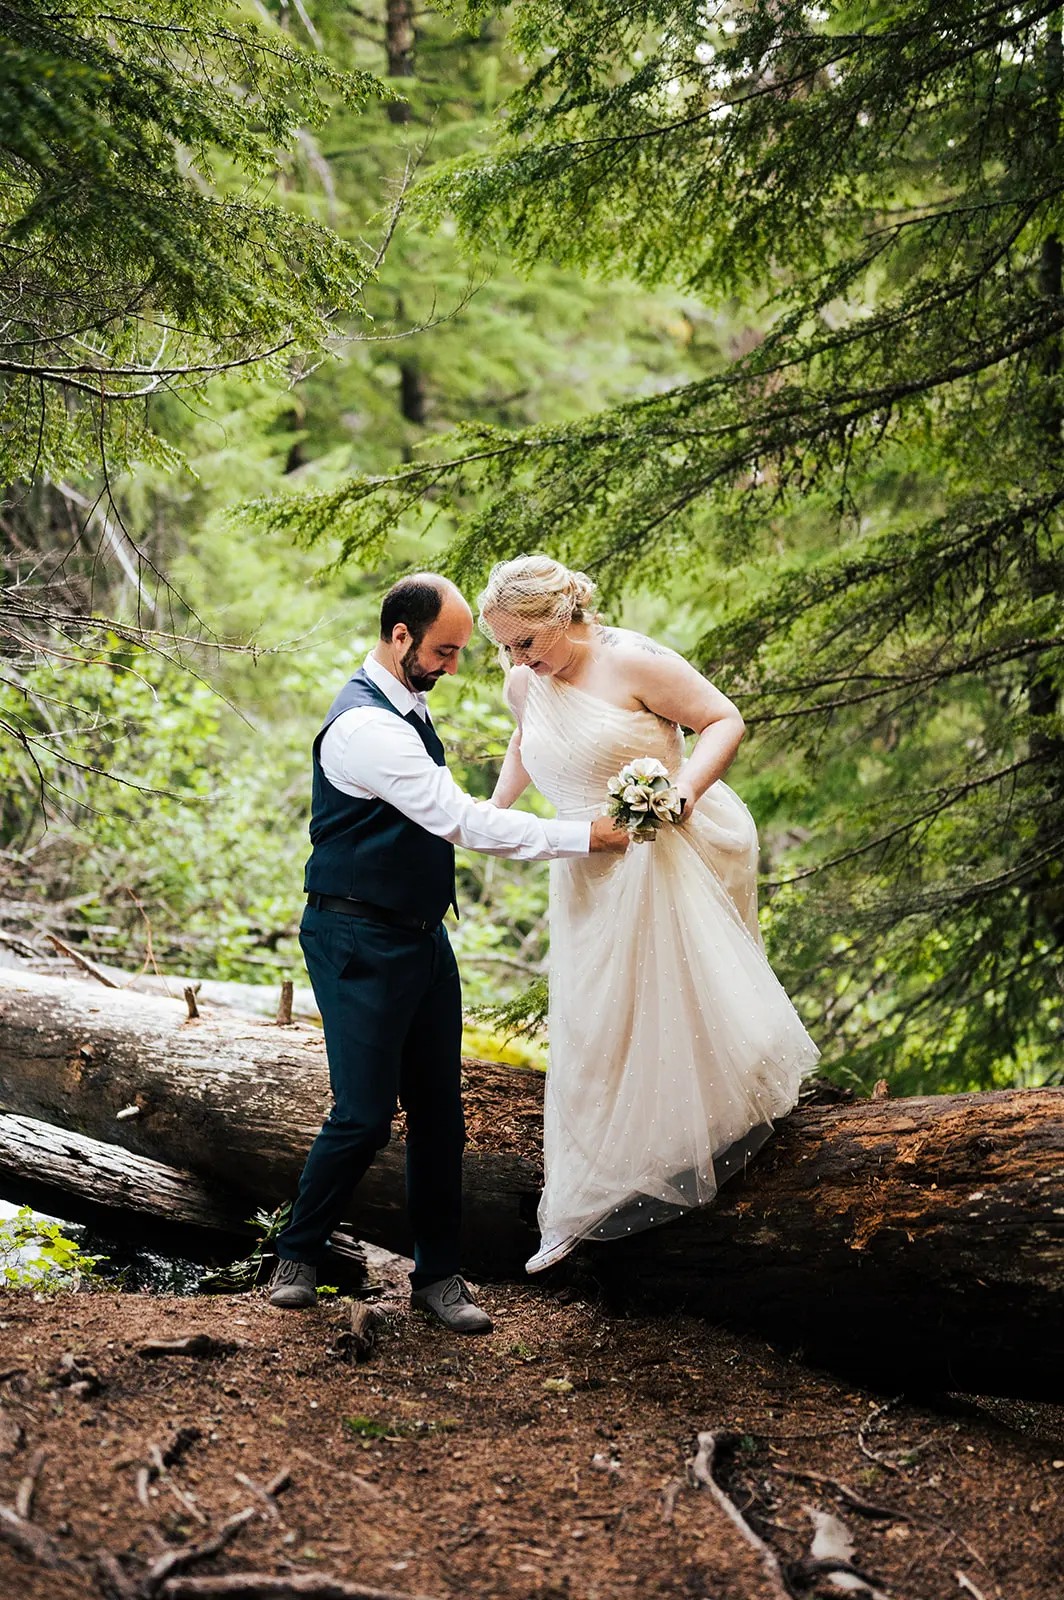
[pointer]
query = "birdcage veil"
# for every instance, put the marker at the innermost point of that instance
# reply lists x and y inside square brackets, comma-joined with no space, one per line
[536,590]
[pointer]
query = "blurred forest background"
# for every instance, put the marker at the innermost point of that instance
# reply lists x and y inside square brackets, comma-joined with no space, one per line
[753,311]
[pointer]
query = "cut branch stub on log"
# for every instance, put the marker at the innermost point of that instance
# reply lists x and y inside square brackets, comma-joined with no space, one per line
[919,1242]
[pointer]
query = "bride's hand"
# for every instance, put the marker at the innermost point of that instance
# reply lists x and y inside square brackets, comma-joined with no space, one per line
[688,802]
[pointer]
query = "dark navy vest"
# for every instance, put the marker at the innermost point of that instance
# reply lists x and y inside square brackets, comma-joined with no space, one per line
[366,849]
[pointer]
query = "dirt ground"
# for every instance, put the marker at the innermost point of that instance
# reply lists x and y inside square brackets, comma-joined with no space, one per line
[547,1461]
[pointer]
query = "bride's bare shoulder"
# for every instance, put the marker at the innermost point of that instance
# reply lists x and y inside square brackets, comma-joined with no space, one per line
[658,678]
[627,644]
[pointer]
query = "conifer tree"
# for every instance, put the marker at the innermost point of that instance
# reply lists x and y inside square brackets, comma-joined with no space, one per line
[141,248]
[142,254]
[881,467]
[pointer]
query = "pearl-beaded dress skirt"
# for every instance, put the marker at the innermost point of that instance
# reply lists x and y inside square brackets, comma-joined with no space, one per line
[672,1043]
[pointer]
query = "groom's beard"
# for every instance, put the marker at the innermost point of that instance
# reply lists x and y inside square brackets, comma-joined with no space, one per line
[415,673]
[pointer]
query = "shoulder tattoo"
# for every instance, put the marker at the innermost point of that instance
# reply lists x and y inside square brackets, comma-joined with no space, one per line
[614,637]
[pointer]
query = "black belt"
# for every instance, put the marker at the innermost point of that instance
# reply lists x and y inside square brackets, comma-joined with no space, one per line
[371,913]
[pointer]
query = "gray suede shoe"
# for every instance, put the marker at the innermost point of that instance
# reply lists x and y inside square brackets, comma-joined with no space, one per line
[294,1285]
[450,1302]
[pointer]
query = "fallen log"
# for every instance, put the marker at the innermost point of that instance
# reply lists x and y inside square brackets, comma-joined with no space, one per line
[260,999]
[54,1170]
[920,1242]
[237,1101]
[131,1199]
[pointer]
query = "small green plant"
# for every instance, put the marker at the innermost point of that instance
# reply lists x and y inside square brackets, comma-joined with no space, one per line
[369,1428]
[239,1276]
[36,1254]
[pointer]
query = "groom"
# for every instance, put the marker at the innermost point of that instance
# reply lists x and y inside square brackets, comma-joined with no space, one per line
[385,817]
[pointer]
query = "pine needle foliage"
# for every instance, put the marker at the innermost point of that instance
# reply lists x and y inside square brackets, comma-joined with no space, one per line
[145,249]
[882,468]
[141,248]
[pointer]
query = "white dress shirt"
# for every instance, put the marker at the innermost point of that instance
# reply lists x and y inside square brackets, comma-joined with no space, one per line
[370,754]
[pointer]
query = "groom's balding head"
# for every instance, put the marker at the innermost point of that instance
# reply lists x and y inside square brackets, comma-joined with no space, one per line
[419,601]
[425,625]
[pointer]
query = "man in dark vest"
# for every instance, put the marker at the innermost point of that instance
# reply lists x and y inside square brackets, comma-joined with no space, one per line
[385,817]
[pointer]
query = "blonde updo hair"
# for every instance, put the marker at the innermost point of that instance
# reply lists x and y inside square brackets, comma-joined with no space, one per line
[539,590]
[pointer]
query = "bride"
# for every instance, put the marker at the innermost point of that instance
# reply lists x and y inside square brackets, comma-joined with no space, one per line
[672,1043]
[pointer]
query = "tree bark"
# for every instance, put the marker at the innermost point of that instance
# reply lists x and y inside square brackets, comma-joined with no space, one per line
[399,44]
[85,1180]
[1044,574]
[915,1242]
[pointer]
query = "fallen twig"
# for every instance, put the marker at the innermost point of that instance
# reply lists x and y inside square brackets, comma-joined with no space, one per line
[163,1457]
[196,1344]
[190,1001]
[83,962]
[669,1496]
[77,1375]
[267,1493]
[873,1417]
[28,1486]
[870,1509]
[701,1469]
[808,1570]
[29,1540]
[184,1500]
[460,1543]
[12,1435]
[264,1586]
[831,1555]
[175,1561]
[370,1490]
[113,1577]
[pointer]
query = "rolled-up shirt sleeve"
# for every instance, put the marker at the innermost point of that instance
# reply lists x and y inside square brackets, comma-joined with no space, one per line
[371,753]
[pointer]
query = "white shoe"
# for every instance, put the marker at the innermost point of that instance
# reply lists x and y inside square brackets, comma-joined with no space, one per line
[551,1251]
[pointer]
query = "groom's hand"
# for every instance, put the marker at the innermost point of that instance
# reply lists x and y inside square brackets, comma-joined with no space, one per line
[605,836]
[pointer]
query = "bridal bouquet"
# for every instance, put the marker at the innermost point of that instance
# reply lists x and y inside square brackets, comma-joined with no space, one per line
[641,798]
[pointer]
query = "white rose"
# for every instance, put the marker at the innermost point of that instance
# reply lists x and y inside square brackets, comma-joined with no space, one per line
[635,798]
[666,804]
[647,767]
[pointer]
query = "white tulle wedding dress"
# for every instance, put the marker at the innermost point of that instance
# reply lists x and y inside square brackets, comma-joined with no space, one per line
[672,1043]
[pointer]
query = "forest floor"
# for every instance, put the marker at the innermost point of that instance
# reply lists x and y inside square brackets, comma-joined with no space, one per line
[548,1461]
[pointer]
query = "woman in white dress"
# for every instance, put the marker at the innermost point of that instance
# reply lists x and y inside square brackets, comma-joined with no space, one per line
[672,1043]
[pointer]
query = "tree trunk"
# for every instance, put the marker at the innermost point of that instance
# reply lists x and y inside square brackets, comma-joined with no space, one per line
[412,400]
[399,44]
[1044,576]
[917,1242]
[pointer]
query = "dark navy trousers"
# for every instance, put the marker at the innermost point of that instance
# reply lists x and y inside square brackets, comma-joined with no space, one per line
[391,1006]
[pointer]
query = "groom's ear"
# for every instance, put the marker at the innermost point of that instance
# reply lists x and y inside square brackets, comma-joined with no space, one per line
[400,636]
